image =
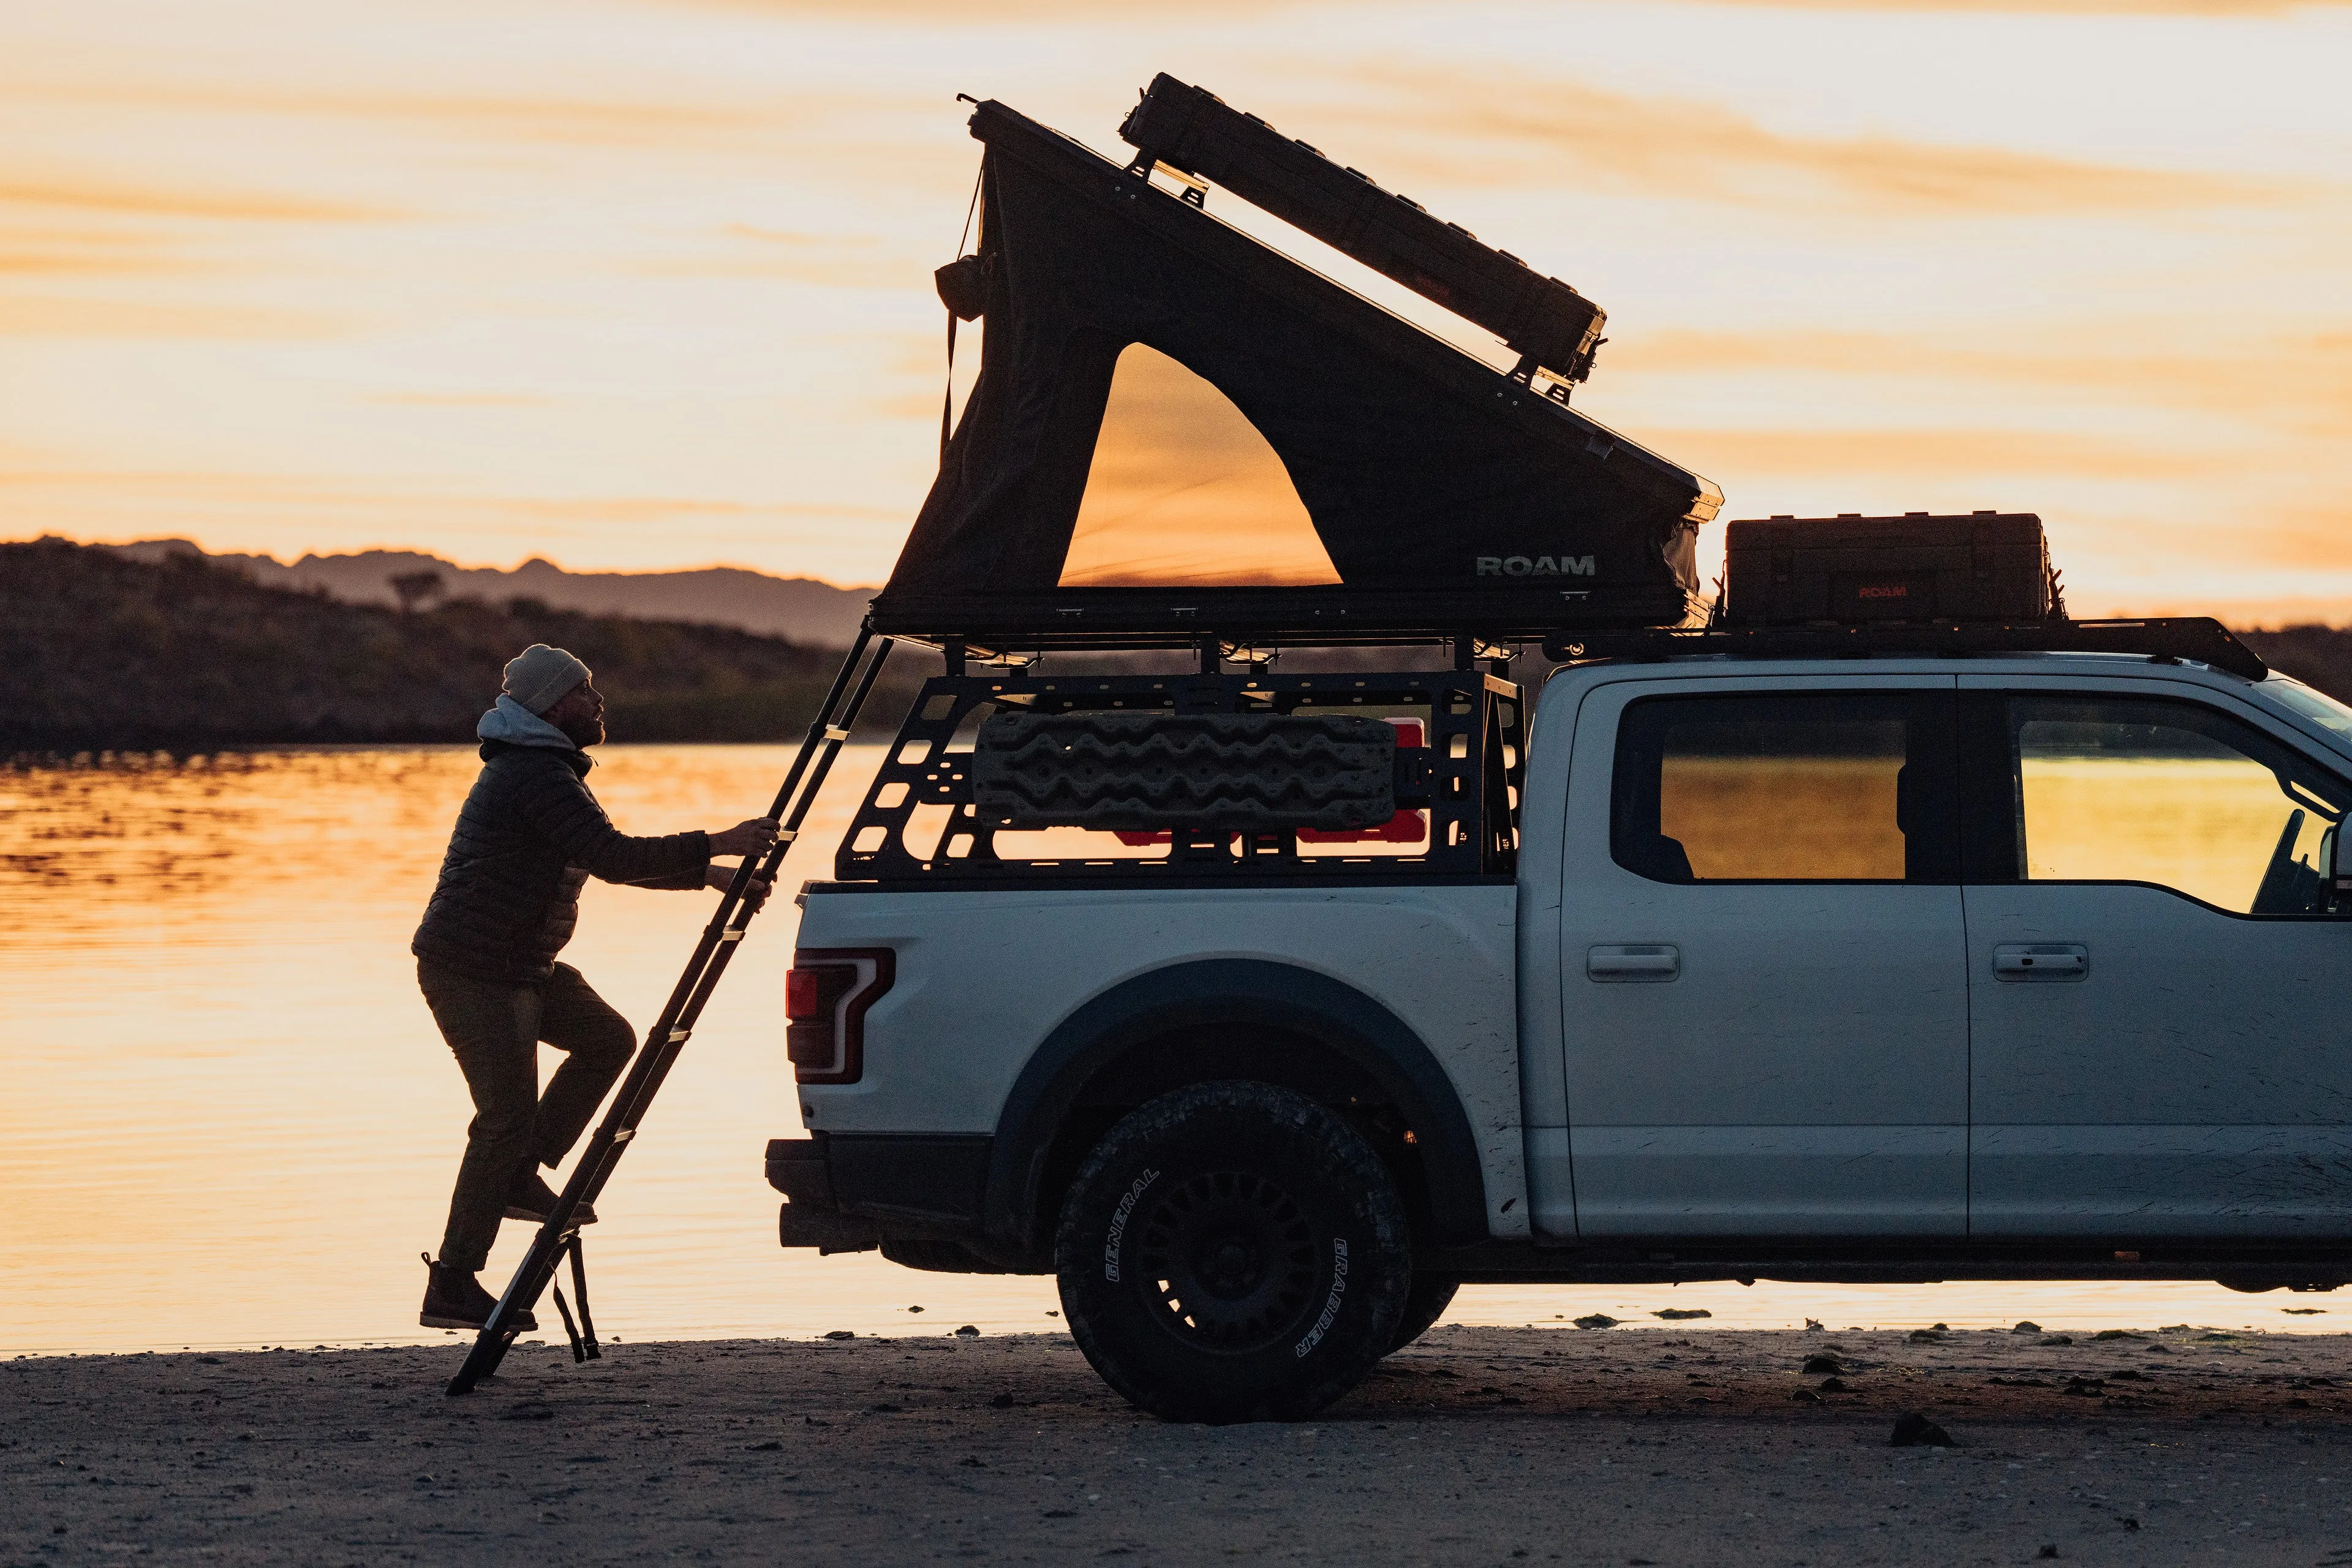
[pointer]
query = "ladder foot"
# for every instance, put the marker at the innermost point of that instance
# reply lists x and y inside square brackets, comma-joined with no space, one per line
[571,1330]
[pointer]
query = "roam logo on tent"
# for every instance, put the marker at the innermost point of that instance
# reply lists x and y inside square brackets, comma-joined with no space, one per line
[1535,566]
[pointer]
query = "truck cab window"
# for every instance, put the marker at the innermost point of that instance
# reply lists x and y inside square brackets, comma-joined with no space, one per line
[2124,789]
[1834,786]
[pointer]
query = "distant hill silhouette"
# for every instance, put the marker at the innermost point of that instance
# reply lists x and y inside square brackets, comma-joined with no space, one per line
[799,608]
[101,651]
[2317,655]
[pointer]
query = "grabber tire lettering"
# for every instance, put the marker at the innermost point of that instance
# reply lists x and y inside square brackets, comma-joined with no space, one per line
[1231,1252]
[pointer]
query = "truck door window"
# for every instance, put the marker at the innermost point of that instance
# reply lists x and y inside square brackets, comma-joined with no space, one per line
[2126,789]
[1834,786]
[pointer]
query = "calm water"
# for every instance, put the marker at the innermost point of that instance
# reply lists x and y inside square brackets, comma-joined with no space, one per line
[228,1120]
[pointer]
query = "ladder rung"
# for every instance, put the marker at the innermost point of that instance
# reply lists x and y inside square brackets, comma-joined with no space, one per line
[677,1036]
[731,933]
[786,836]
[836,732]
[625,1134]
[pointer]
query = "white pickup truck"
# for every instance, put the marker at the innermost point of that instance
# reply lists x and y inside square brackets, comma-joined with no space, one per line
[2017,965]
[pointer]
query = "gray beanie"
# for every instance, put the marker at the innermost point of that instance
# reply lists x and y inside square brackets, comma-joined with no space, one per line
[539,677]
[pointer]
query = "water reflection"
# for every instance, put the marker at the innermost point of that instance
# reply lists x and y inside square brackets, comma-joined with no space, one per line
[126,826]
[228,1118]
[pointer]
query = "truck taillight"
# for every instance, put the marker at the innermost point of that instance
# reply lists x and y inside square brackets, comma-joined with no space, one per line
[826,994]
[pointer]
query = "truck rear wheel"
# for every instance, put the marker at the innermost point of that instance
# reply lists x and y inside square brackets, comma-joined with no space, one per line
[1429,1296]
[1233,1252]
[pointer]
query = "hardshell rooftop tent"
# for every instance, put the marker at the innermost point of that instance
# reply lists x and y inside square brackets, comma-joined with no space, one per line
[1178,433]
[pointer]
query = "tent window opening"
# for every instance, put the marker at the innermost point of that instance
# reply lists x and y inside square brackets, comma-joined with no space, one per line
[1184,491]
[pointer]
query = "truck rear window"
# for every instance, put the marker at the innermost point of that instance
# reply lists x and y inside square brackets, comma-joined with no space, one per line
[1842,786]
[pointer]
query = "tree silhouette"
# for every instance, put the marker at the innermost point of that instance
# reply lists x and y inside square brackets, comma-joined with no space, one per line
[413,589]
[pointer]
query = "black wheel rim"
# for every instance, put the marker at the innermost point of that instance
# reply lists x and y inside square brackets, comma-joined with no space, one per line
[1231,1261]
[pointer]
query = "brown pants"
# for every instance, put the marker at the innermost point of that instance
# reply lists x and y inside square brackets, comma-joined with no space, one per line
[494,1030]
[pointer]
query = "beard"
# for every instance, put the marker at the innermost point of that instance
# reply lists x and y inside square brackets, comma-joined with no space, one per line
[584,732]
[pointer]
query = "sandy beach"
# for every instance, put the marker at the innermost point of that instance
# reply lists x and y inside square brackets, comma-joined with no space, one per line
[1477,1446]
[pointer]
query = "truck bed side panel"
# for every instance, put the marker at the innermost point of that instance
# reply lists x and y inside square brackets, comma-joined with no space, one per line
[983,976]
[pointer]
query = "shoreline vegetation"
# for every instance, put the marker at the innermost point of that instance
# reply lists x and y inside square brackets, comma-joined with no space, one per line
[101,652]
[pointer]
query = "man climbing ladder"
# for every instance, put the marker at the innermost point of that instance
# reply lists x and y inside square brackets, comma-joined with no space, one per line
[559,1232]
[528,837]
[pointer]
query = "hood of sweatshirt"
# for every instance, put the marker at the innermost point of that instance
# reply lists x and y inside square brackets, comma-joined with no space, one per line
[518,726]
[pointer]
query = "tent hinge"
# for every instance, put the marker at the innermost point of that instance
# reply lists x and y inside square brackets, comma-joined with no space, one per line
[1195,192]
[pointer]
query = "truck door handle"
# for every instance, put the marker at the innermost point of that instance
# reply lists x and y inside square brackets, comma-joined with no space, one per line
[2041,960]
[1636,964]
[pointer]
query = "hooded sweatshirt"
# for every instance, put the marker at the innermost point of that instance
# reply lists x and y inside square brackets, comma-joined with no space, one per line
[528,838]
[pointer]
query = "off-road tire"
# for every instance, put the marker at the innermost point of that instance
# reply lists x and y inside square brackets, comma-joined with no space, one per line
[1427,1302]
[1233,1252]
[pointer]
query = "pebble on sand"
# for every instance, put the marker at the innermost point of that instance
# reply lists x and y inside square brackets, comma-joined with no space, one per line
[1913,1430]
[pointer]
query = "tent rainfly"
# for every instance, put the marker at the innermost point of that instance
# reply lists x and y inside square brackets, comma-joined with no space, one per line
[1179,432]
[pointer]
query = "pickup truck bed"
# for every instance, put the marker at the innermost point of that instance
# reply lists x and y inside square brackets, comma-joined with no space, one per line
[1010,1003]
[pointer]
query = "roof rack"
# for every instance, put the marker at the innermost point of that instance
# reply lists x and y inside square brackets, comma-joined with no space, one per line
[2198,638]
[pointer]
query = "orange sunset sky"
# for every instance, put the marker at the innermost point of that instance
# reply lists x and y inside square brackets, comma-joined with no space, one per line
[645,283]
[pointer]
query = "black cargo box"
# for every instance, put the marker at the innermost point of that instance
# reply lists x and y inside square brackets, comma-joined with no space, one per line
[1987,567]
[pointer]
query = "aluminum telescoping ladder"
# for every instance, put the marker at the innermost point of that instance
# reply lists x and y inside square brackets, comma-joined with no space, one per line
[557,1234]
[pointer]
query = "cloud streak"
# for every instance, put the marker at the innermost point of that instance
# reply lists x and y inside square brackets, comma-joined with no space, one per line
[1728,455]
[821,260]
[625,120]
[2303,383]
[2223,8]
[1489,129]
[1093,10]
[2316,537]
[98,196]
[25,316]
[995,14]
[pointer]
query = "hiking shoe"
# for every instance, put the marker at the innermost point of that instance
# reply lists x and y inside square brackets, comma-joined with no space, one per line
[456,1300]
[533,1198]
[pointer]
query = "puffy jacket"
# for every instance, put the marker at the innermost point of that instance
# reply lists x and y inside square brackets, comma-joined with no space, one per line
[528,838]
